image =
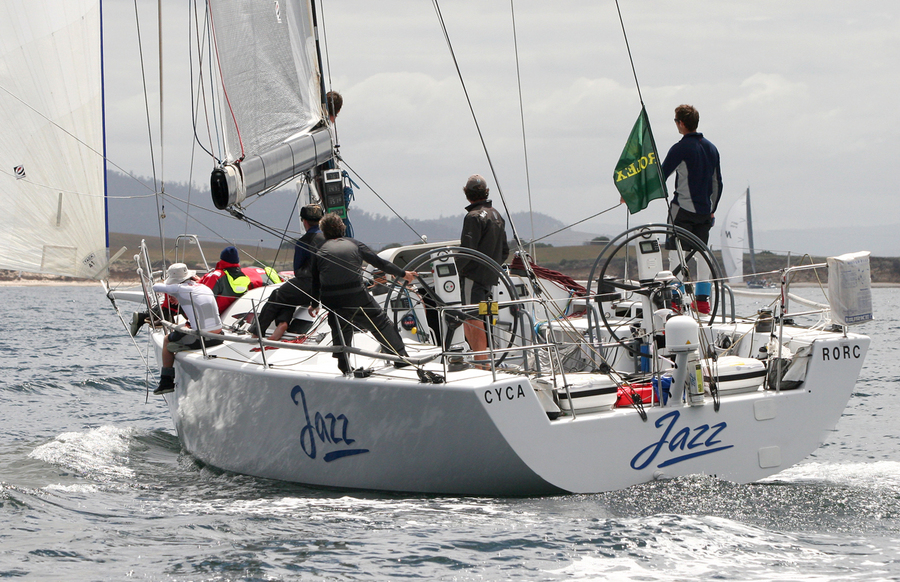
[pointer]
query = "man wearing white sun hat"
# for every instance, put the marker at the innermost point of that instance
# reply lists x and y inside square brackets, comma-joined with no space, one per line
[199,304]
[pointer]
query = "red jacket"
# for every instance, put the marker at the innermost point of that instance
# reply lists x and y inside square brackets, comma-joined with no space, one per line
[227,291]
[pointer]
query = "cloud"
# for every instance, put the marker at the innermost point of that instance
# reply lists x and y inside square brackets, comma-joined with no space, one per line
[800,98]
[763,90]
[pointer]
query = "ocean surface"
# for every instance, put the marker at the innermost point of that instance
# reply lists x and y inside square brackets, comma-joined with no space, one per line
[94,486]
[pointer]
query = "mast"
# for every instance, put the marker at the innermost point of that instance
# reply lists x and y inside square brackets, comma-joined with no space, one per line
[750,236]
[315,25]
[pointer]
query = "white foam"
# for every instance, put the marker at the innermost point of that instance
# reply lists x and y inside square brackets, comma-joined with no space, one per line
[349,508]
[663,548]
[100,453]
[81,488]
[877,474]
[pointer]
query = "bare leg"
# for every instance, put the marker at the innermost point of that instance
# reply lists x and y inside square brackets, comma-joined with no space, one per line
[279,331]
[167,373]
[168,358]
[476,336]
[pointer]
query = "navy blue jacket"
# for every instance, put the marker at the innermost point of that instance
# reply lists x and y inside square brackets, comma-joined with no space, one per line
[698,177]
[305,248]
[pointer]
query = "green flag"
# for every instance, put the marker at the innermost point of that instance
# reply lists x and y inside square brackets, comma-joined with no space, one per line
[637,174]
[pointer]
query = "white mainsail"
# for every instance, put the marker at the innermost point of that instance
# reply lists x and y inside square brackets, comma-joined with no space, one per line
[52,181]
[269,95]
[734,240]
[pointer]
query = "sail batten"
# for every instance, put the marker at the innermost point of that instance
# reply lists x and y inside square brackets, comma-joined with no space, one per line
[52,186]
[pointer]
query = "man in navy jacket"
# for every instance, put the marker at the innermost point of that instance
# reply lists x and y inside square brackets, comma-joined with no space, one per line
[698,187]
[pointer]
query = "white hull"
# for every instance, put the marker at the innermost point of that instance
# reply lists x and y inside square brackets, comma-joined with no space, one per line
[475,436]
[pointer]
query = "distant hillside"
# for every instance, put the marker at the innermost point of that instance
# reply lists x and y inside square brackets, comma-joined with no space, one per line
[133,210]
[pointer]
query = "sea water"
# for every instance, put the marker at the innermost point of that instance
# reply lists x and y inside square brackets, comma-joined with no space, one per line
[94,486]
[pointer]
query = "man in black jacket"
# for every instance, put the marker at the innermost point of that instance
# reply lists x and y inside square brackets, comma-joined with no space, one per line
[484,230]
[336,271]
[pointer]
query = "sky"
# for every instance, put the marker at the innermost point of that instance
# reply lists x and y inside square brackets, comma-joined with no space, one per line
[799,97]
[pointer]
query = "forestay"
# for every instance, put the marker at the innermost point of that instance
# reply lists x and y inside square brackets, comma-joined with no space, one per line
[52,187]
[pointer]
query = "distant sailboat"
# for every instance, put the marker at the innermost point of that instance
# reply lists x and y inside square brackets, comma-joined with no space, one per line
[737,236]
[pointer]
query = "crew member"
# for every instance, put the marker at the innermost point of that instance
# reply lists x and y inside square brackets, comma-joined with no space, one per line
[336,271]
[199,305]
[297,291]
[698,186]
[484,230]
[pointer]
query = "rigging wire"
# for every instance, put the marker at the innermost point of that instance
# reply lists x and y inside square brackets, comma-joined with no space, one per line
[637,85]
[288,225]
[630,58]
[201,98]
[328,69]
[516,239]
[403,220]
[487,154]
[577,223]
[512,9]
[325,42]
[160,211]
[162,126]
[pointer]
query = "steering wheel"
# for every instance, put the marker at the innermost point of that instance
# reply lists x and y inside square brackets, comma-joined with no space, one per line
[688,246]
[444,253]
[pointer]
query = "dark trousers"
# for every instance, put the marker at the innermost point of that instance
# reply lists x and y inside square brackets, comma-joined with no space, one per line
[360,310]
[696,224]
[283,302]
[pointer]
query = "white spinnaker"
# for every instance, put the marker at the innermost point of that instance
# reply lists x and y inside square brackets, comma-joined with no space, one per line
[271,84]
[734,240]
[52,187]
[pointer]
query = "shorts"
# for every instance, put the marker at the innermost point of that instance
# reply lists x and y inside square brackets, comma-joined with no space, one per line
[472,293]
[180,342]
[696,224]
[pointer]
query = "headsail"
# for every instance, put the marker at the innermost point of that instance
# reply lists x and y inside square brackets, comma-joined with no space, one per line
[734,240]
[269,98]
[52,183]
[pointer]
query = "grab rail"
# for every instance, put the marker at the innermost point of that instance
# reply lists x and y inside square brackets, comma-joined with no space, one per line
[783,305]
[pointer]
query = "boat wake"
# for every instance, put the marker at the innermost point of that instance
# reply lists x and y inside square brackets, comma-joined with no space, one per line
[879,475]
[650,549]
[101,454]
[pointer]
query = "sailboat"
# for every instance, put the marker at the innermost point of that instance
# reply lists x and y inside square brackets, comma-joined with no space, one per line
[581,393]
[737,237]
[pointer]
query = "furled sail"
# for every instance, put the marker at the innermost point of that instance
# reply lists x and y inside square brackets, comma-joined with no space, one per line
[270,99]
[734,240]
[52,186]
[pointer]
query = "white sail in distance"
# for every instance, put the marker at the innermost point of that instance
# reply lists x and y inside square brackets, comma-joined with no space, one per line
[52,182]
[734,240]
